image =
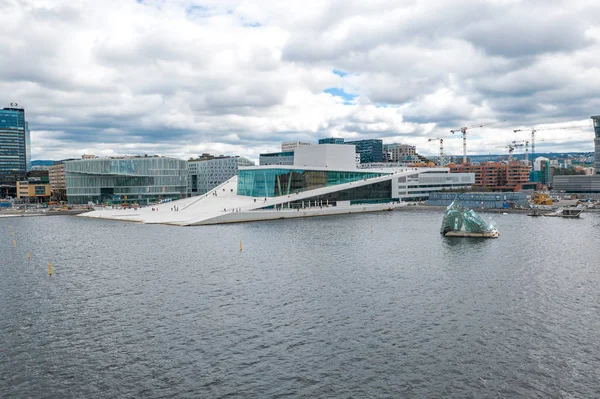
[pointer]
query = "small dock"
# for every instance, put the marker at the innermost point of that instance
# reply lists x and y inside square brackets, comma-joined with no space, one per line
[493,234]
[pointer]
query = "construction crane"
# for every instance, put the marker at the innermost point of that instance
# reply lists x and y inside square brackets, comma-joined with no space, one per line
[463,130]
[520,144]
[511,147]
[533,130]
[441,140]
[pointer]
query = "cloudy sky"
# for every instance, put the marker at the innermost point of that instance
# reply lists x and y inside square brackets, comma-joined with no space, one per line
[179,77]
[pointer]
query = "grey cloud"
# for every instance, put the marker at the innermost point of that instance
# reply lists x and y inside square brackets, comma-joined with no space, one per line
[164,80]
[519,34]
[61,14]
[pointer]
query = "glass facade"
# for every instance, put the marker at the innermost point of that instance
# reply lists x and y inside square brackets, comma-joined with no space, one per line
[142,180]
[276,158]
[27,146]
[332,140]
[369,150]
[276,182]
[380,192]
[13,149]
[596,120]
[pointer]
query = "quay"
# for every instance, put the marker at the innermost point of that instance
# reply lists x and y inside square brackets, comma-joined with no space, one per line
[49,212]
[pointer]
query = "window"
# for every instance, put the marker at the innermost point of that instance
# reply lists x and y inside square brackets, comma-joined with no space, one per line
[277,182]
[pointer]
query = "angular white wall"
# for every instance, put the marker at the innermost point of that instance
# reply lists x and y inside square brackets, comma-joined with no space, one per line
[330,156]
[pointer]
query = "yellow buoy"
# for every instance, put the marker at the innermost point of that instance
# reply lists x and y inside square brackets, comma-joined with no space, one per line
[240,245]
[14,243]
[28,255]
[50,268]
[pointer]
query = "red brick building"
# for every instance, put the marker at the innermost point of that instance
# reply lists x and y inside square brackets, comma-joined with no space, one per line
[498,176]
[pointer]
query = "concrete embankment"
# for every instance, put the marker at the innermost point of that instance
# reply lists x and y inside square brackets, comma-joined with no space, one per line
[263,215]
[72,212]
[437,208]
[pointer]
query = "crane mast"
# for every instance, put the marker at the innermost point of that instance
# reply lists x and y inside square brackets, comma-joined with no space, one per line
[511,147]
[520,144]
[463,130]
[532,140]
[533,130]
[441,140]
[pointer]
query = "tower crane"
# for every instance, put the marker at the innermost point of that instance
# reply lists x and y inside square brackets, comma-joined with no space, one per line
[533,130]
[511,147]
[441,140]
[463,130]
[520,144]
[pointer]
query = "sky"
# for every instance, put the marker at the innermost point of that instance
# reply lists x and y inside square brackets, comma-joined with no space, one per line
[181,78]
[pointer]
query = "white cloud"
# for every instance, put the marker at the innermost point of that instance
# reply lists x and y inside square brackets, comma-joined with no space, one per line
[183,77]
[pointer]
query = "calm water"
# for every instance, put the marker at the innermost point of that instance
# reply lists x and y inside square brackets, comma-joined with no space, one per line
[313,308]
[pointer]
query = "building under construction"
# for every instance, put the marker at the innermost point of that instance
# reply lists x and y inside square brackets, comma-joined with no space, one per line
[497,176]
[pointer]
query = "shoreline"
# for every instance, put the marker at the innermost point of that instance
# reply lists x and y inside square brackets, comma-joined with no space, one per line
[8,214]
[407,208]
[479,210]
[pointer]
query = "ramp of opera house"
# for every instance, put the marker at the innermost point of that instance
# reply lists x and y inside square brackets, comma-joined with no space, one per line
[218,202]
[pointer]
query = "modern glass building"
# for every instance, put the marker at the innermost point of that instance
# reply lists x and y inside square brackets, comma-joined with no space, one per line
[596,120]
[276,158]
[274,182]
[14,149]
[207,172]
[332,140]
[579,183]
[369,150]
[140,180]
[353,186]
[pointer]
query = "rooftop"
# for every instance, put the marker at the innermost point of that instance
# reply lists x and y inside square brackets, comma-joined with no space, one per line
[116,157]
[208,157]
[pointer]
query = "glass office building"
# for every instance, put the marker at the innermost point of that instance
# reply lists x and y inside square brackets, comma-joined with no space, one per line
[274,182]
[596,120]
[370,150]
[14,149]
[579,183]
[276,158]
[332,140]
[140,180]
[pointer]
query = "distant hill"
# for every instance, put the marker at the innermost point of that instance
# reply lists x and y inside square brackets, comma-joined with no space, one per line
[550,155]
[42,162]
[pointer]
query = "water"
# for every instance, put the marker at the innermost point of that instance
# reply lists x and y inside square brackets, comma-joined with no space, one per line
[311,308]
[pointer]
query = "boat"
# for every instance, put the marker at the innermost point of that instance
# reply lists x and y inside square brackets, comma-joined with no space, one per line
[462,222]
[535,212]
[570,213]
